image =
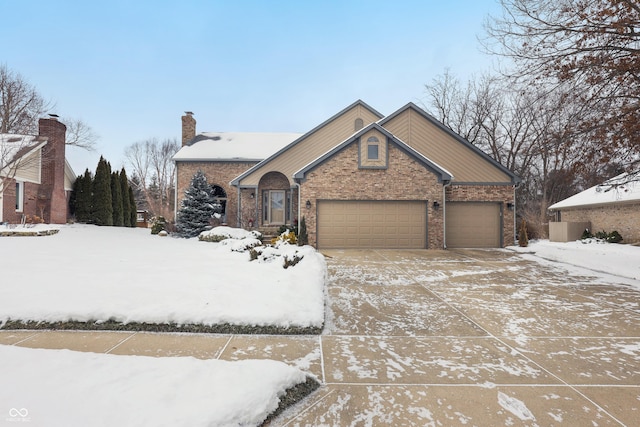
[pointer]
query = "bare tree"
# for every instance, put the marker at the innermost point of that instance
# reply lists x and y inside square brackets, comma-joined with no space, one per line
[593,45]
[80,134]
[151,161]
[20,104]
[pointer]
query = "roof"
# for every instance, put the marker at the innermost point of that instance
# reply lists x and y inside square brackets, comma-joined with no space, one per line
[14,147]
[624,188]
[302,138]
[443,174]
[234,146]
[436,123]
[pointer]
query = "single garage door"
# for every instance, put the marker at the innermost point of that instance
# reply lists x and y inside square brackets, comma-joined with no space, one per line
[473,225]
[372,224]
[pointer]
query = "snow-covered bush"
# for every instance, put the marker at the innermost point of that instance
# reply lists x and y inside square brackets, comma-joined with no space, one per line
[218,234]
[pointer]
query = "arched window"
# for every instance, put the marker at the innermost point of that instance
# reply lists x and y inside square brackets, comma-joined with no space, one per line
[220,203]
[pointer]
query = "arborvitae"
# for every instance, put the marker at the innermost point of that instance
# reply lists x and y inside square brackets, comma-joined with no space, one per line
[83,197]
[116,200]
[102,205]
[197,207]
[126,204]
[133,214]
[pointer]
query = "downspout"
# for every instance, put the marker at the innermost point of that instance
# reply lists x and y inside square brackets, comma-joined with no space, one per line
[239,212]
[299,208]
[444,214]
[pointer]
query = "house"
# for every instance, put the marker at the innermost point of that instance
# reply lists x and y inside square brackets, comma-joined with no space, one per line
[360,180]
[35,178]
[613,205]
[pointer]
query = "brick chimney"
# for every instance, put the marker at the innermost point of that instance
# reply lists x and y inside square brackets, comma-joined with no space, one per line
[52,200]
[188,127]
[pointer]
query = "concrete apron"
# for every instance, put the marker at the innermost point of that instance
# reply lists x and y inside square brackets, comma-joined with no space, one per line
[458,337]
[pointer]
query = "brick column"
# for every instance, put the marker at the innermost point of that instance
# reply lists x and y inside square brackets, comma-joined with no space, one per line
[51,198]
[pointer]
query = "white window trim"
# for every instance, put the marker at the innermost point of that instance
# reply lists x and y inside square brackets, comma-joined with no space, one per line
[19,196]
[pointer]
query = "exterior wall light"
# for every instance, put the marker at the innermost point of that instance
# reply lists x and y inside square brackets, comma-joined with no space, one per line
[436,206]
[510,206]
[308,204]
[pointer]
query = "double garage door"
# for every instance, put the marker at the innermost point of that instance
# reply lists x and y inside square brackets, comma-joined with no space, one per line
[372,224]
[403,224]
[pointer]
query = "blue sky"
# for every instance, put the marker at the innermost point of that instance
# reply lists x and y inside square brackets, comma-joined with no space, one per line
[130,69]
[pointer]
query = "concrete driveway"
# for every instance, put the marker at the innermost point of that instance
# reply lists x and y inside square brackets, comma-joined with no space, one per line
[457,337]
[473,337]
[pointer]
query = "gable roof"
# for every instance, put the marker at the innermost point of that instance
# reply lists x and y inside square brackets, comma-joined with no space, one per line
[624,188]
[358,103]
[234,146]
[14,147]
[441,127]
[442,173]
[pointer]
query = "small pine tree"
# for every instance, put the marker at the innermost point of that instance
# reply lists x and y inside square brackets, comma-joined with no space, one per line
[523,238]
[116,200]
[126,204]
[303,237]
[102,205]
[197,208]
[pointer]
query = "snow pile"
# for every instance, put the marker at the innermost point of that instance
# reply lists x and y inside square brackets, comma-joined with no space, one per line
[231,233]
[62,387]
[89,273]
[610,258]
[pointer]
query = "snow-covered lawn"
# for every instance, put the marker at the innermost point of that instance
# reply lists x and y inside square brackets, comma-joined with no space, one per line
[610,258]
[62,387]
[89,273]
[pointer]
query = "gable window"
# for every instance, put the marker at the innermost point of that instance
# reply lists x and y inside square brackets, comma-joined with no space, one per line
[373,146]
[276,207]
[19,196]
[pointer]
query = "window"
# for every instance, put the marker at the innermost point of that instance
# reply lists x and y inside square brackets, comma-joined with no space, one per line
[220,203]
[19,196]
[276,207]
[372,148]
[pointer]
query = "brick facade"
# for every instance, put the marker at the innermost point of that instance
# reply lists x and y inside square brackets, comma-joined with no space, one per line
[47,200]
[217,173]
[624,218]
[503,194]
[339,178]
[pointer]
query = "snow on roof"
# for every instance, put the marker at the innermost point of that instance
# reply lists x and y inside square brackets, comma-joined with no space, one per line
[10,144]
[234,145]
[14,147]
[622,188]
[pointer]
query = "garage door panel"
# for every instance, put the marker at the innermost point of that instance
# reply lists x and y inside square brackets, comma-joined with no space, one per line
[372,224]
[473,225]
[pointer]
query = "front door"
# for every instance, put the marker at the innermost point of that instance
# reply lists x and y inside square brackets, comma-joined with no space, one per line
[277,207]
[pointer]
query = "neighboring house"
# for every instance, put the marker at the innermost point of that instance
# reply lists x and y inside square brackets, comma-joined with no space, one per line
[35,178]
[612,205]
[360,180]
